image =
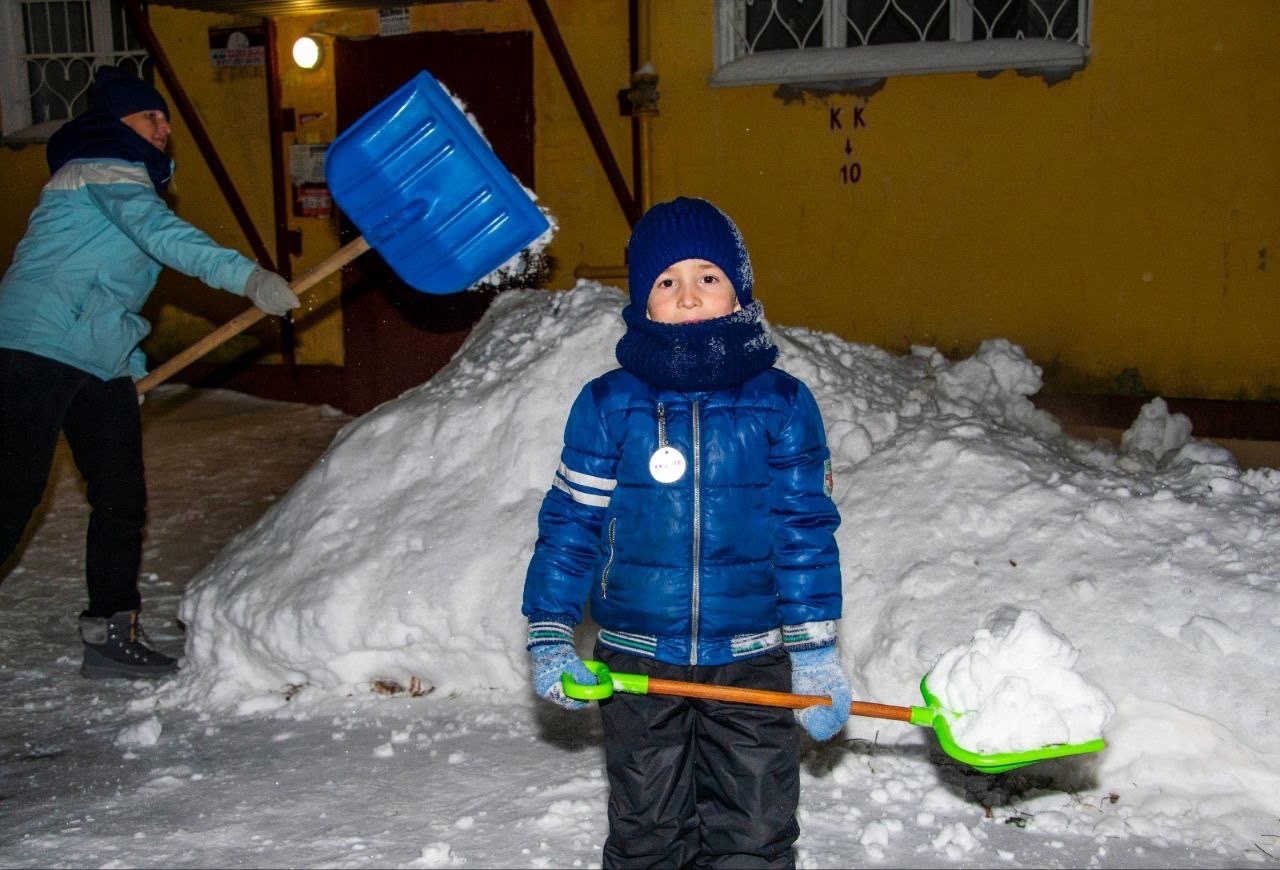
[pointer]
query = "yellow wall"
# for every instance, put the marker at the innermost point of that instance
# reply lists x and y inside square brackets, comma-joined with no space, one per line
[1123,219]
[1120,225]
[23,172]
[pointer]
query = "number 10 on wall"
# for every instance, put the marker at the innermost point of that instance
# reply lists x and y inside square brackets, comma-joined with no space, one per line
[850,169]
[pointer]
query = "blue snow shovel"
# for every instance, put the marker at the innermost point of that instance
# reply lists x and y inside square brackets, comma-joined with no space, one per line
[426,192]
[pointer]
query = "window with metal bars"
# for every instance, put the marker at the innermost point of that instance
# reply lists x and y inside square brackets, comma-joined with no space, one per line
[49,52]
[821,41]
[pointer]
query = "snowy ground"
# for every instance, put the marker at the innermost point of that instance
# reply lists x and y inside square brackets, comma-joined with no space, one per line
[399,555]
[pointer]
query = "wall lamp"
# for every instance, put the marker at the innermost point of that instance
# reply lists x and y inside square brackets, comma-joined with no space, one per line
[307,52]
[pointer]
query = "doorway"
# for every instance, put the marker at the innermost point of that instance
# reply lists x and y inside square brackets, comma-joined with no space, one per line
[395,337]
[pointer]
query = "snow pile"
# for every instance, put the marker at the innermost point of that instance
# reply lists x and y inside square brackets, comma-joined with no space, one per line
[1156,433]
[997,381]
[144,733]
[402,552]
[437,855]
[1012,688]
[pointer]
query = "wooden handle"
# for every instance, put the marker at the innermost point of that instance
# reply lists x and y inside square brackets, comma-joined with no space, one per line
[772,699]
[249,317]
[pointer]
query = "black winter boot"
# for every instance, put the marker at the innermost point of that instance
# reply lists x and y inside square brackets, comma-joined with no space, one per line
[114,647]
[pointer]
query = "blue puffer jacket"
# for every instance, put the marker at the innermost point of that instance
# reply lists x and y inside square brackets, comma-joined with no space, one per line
[712,567]
[94,247]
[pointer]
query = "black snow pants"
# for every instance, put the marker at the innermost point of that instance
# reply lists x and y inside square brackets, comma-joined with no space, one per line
[40,397]
[698,783]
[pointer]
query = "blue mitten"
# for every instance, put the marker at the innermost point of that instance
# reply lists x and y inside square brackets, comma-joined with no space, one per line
[818,672]
[550,660]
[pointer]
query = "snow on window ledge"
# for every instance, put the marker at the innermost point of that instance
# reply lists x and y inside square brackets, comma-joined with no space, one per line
[815,65]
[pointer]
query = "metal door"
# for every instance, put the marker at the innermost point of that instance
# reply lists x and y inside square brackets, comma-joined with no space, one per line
[395,337]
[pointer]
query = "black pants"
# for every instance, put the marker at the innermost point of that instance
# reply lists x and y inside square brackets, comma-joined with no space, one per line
[39,397]
[697,783]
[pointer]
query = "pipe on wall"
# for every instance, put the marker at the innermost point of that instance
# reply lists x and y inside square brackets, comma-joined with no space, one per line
[644,103]
[279,191]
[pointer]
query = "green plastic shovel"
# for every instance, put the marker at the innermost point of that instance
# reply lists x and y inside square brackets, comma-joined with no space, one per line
[932,715]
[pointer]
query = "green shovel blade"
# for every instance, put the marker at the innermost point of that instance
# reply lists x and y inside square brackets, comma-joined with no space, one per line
[990,762]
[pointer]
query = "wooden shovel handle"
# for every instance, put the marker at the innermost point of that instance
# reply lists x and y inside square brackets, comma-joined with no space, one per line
[772,699]
[249,317]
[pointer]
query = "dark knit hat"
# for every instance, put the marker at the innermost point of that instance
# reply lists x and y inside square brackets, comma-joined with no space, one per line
[120,92]
[685,229]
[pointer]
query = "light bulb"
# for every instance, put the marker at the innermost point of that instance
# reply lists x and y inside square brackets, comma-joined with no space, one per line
[306,52]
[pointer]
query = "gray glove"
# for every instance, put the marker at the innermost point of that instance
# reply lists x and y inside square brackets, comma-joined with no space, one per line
[270,292]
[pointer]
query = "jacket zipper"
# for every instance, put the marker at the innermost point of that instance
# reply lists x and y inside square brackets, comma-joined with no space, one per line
[697,531]
[604,575]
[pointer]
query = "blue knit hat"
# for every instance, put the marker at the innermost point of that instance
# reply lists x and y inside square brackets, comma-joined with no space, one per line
[120,92]
[685,229]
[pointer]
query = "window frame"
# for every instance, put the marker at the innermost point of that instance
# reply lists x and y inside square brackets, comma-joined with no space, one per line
[835,63]
[15,91]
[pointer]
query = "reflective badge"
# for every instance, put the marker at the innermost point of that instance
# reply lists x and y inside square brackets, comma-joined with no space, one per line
[667,465]
[828,479]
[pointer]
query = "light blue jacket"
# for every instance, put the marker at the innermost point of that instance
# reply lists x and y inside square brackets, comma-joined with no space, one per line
[94,247]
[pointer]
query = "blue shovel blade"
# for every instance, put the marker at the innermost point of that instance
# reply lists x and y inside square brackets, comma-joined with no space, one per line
[428,193]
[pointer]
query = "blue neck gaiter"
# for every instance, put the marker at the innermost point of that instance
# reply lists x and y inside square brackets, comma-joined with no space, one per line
[694,357]
[98,134]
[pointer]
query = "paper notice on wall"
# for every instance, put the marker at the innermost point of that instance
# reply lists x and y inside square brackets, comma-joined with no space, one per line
[238,46]
[306,163]
[393,21]
[312,200]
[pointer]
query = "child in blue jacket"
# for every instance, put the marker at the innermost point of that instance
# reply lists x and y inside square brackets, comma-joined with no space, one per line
[692,507]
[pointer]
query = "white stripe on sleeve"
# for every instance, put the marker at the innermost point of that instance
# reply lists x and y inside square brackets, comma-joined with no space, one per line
[579,479]
[590,499]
